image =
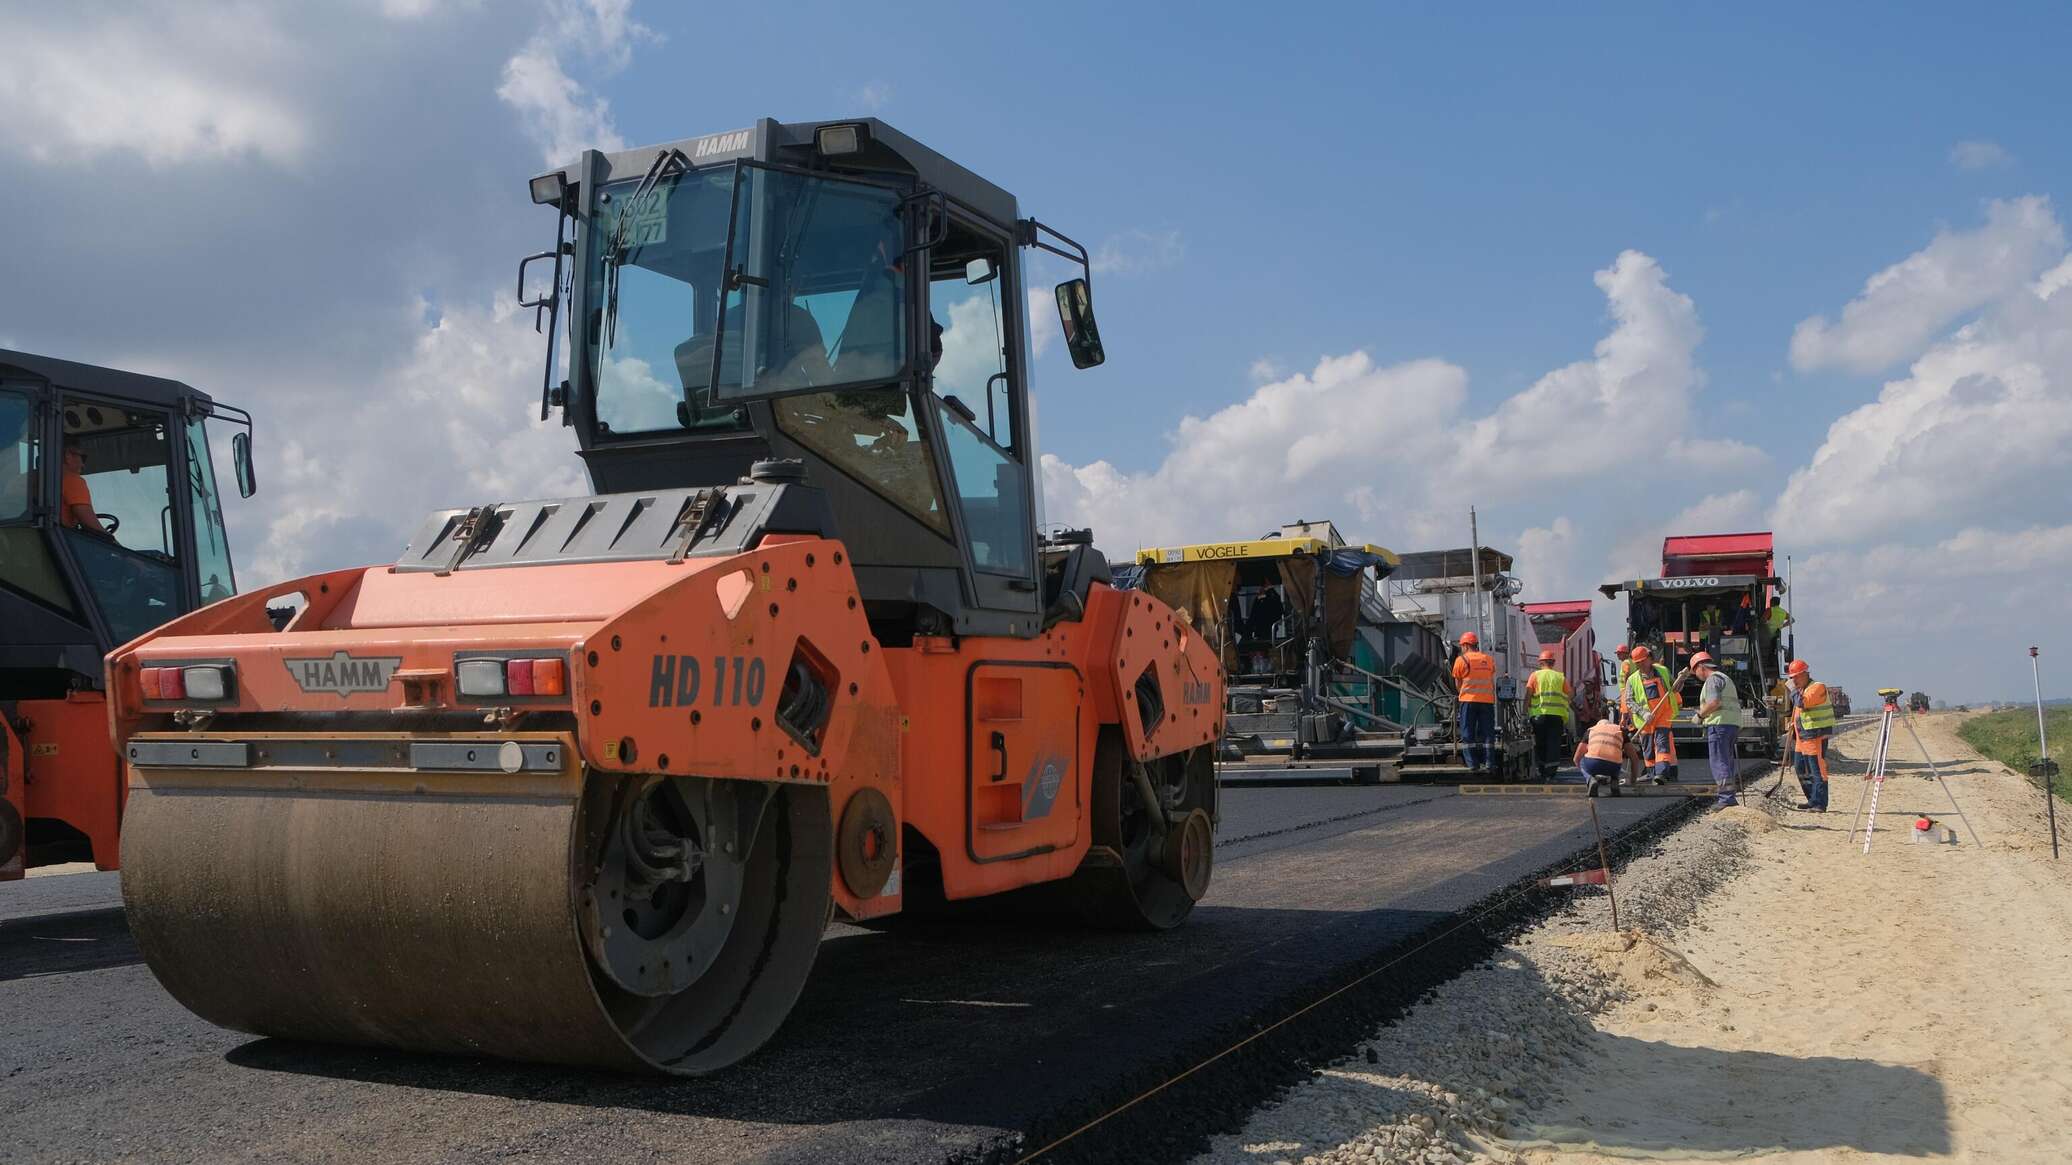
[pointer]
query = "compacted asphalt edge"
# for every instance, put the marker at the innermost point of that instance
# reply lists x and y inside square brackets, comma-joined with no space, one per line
[1209,1086]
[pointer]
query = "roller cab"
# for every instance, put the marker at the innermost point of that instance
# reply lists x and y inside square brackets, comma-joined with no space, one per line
[581,780]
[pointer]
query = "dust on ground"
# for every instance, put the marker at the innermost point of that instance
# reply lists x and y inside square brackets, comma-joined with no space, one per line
[1776,995]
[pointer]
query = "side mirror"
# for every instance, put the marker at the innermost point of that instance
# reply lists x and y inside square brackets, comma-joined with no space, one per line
[241,464]
[1076,313]
[979,271]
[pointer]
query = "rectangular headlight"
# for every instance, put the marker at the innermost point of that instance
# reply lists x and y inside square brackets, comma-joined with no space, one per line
[480,677]
[835,140]
[206,682]
[547,189]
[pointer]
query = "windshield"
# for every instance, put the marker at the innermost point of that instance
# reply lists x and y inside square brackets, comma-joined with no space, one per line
[211,545]
[819,299]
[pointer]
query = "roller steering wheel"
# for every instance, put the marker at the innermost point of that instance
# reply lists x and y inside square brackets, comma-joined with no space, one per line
[109,522]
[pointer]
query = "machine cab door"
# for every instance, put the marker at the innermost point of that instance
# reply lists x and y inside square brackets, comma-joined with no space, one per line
[27,480]
[976,380]
[119,513]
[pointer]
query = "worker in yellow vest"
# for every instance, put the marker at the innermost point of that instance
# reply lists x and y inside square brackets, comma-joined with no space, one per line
[1651,700]
[1547,700]
[1474,685]
[1812,723]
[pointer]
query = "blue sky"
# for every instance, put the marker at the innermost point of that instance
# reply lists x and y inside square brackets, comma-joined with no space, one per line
[1389,260]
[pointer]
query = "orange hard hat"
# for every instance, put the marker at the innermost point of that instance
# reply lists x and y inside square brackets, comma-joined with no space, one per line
[1619,650]
[1703,657]
[1641,654]
[1547,656]
[1798,668]
[1470,639]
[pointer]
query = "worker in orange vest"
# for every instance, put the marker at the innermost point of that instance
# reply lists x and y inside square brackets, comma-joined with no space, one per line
[1812,723]
[1474,682]
[1651,701]
[1601,754]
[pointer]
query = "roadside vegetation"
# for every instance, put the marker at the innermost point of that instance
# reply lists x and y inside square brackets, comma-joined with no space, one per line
[2010,737]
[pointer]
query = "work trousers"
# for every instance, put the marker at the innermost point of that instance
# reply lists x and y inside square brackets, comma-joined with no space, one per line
[1720,742]
[1812,772]
[1549,733]
[1478,736]
[1659,750]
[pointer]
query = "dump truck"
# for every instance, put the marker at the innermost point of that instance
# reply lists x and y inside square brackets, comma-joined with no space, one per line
[581,780]
[1320,675]
[111,523]
[1714,594]
[1564,626]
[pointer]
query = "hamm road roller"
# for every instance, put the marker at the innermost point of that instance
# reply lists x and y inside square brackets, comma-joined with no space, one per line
[583,780]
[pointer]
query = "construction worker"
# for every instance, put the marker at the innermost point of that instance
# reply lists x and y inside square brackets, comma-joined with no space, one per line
[1474,679]
[1719,710]
[1547,699]
[75,500]
[1812,722]
[1650,697]
[1601,754]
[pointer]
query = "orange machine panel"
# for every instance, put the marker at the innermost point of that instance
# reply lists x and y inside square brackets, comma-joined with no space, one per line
[761,667]
[70,772]
[1179,676]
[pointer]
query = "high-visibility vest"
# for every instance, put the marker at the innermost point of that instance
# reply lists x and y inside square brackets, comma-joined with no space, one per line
[1474,677]
[1549,693]
[1729,703]
[1641,702]
[1777,618]
[1816,716]
[1605,742]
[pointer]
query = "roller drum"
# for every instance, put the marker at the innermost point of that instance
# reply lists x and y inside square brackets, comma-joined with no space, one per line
[448,914]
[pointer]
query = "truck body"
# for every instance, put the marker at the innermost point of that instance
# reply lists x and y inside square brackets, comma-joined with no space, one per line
[1713,595]
[1565,627]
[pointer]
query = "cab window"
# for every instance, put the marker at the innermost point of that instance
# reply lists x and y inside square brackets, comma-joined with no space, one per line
[116,512]
[967,274]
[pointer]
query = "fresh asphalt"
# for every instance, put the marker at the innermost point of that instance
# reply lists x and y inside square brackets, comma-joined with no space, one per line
[930,1041]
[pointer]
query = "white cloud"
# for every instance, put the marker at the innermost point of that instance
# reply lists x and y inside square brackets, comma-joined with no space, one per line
[1044,328]
[457,426]
[1266,370]
[1389,451]
[1974,433]
[872,97]
[562,117]
[1139,252]
[1979,155]
[168,85]
[1902,307]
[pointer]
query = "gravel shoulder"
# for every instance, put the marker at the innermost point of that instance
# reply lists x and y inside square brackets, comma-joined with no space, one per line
[1776,994]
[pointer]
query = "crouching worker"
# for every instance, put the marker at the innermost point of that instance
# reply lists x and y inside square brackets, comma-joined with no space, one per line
[1601,754]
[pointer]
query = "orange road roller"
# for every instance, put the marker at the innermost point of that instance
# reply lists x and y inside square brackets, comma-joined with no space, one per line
[583,780]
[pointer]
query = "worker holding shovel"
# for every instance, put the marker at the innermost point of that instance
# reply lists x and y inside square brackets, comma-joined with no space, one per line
[1651,694]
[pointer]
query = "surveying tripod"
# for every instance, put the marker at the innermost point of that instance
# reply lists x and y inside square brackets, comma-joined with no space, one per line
[1874,780]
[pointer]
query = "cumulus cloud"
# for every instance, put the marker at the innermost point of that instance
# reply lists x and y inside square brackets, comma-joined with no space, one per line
[1904,306]
[1139,252]
[1391,449]
[560,115]
[457,426]
[1979,155]
[1974,433]
[165,84]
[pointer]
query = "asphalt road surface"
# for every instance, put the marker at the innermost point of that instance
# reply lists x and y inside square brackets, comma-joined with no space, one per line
[927,1042]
